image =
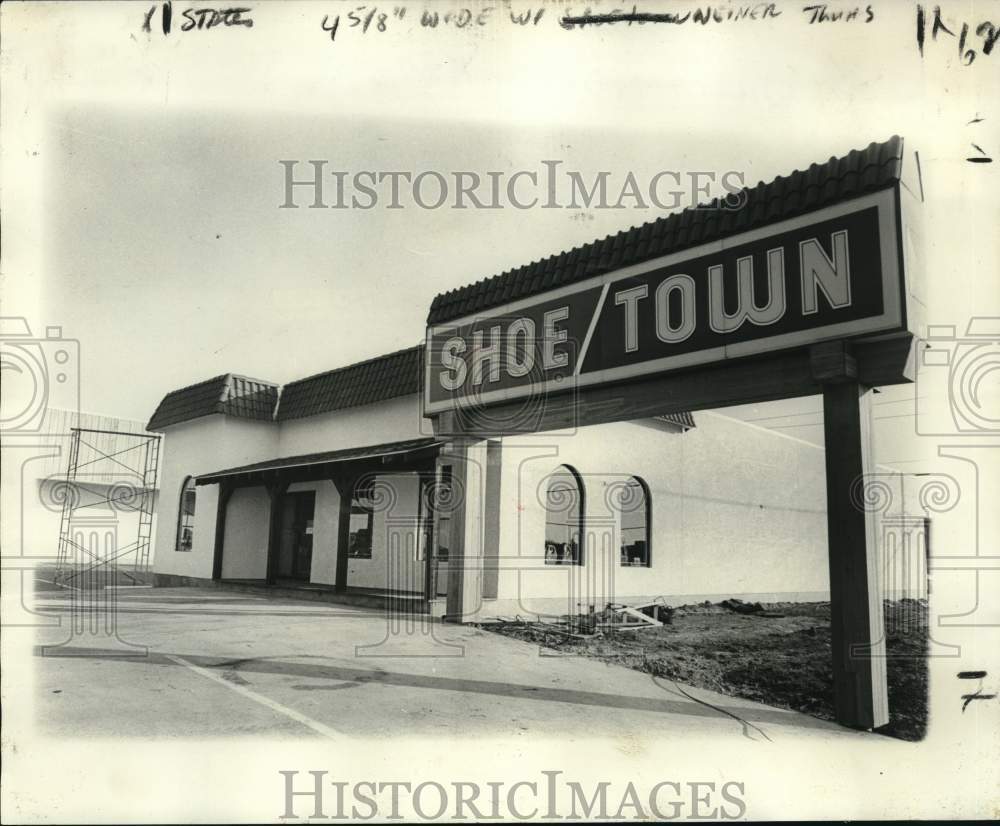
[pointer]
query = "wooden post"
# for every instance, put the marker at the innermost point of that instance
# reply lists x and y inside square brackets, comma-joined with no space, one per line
[225,491]
[345,490]
[860,689]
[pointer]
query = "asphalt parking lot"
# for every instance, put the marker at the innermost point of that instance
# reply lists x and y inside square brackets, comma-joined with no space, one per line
[189,662]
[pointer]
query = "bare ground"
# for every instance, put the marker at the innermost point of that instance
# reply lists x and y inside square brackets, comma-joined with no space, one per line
[781,660]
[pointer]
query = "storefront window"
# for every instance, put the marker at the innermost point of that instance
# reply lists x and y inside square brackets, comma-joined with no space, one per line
[564,518]
[359,545]
[185,516]
[634,522]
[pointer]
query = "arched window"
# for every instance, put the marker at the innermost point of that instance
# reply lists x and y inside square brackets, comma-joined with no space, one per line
[564,518]
[634,512]
[185,516]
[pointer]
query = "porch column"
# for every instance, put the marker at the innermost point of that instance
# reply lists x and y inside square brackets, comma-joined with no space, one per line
[860,688]
[491,515]
[467,458]
[276,487]
[344,483]
[225,491]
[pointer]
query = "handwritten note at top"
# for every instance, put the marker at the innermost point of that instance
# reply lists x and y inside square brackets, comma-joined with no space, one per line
[985,34]
[972,38]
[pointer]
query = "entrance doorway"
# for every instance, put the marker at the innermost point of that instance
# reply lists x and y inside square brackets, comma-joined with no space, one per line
[295,551]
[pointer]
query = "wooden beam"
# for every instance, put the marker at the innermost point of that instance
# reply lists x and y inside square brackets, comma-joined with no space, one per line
[344,482]
[221,509]
[860,688]
[417,458]
[833,361]
[886,361]
[759,379]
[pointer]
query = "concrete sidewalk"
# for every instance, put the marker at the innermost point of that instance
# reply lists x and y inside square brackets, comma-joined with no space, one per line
[215,664]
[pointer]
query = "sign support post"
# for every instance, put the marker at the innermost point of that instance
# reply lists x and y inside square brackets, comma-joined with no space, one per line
[860,689]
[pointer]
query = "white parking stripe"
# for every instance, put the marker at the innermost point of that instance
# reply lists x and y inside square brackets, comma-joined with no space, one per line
[325,730]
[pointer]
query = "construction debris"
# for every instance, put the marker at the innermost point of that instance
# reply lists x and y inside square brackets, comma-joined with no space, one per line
[750,608]
[741,607]
[630,617]
[613,617]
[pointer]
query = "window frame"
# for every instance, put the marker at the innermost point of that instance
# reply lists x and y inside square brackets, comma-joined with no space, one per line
[648,503]
[568,470]
[188,484]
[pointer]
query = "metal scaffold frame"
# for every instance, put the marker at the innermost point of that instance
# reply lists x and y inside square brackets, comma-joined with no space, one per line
[134,469]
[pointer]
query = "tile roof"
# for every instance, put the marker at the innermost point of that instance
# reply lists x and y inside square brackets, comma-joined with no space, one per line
[860,171]
[228,394]
[304,460]
[374,380]
[377,379]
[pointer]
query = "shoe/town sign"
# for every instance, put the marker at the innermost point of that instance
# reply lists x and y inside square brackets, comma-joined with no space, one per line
[830,274]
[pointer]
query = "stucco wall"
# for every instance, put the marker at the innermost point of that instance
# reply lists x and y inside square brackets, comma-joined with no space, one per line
[198,447]
[244,554]
[397,559]
[216,442]
[394,420]
[736,511]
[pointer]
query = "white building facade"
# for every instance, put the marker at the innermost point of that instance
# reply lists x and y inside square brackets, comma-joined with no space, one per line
[336,485]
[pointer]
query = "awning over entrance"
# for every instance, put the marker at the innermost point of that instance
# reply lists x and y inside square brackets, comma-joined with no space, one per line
[412,449]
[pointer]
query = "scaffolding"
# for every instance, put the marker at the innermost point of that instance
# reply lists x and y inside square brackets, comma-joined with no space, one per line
[108,470]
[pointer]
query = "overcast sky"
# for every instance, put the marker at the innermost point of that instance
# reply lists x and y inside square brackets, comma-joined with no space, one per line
[141,204]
